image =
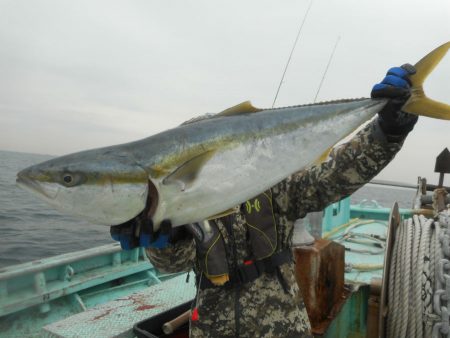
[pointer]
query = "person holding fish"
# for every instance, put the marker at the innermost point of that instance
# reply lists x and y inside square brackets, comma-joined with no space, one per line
[220,195]
[243,261]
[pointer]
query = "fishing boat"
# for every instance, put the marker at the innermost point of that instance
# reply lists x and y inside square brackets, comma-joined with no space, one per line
[369,271]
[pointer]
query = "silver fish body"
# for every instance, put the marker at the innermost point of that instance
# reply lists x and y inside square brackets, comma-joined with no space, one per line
[196,170]
[251,153]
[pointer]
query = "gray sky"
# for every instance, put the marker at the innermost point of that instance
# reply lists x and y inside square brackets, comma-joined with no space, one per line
[84,74]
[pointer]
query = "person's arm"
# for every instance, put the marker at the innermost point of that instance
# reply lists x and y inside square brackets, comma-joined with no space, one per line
[170,250]
[356,162]
[177,256]
[348,168]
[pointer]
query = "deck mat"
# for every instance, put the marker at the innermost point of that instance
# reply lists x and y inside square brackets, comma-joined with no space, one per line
[116,318]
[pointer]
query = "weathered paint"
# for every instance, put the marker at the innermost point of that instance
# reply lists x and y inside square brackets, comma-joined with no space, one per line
[350,322]
[69,284]
[320,275]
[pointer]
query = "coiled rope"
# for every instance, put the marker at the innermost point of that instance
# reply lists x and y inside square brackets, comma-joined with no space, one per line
[412,281]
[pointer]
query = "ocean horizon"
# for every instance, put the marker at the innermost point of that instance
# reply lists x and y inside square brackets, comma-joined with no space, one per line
[30,229]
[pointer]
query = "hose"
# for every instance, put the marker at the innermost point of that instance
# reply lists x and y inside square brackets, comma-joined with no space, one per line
[330,234]
[348,235]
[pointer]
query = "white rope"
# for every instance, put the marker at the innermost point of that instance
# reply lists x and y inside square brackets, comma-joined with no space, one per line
[406,280]
[438,256]
[415,256]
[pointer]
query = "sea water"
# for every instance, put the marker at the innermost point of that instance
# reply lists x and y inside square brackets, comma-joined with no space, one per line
[29,229]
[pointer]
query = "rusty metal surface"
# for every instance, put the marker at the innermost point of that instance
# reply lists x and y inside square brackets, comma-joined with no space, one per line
[373,306]
[375,286]
[439,200]
[320,275]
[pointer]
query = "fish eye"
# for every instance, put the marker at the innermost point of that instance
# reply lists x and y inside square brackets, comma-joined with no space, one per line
[71,179]
[68,178]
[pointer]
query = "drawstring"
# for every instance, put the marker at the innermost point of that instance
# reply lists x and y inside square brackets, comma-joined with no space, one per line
[281,279]
[194,315]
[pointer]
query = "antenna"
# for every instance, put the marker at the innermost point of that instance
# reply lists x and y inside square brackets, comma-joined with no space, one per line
[292,51]
[326,69]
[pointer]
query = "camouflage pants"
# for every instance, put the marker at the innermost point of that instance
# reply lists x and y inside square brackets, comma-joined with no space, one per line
[261,308]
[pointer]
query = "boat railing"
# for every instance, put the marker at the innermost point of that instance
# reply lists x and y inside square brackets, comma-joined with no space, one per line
[41,281]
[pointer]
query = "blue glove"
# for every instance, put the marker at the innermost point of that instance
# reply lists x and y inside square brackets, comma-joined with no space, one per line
[396,87]
[139,232]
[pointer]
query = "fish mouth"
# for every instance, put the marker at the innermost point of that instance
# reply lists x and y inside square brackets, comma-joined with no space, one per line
[31,185]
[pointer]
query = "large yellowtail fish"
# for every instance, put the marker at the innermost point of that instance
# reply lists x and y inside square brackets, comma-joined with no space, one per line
[201,169]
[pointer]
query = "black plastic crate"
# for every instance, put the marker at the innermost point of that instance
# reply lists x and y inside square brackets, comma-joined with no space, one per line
[152,327]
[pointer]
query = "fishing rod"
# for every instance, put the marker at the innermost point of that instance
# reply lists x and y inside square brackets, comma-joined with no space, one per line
[394,184]
[292,52]
[428,187]
[326,68]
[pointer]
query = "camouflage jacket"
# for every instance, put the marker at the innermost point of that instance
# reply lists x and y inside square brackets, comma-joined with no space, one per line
[263,308]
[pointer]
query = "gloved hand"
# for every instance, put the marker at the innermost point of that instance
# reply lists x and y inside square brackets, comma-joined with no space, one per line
[139,232]
[396,86]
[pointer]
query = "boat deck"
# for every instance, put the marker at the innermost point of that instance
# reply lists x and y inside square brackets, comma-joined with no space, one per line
[103,293]
[113,319]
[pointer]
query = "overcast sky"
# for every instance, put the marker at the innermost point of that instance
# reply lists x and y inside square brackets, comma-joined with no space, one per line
[84,74]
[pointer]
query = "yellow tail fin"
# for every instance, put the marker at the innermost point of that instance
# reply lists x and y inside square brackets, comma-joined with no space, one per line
[418,103]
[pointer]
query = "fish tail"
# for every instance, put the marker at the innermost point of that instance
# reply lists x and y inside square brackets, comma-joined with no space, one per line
[419,103]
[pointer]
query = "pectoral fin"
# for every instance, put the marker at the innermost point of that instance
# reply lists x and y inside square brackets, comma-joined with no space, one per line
[187,173]
[323,157]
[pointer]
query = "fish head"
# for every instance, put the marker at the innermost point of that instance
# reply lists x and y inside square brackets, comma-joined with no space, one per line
[100,186]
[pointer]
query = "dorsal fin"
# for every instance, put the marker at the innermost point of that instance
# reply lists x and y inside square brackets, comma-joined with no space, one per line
[242,108]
